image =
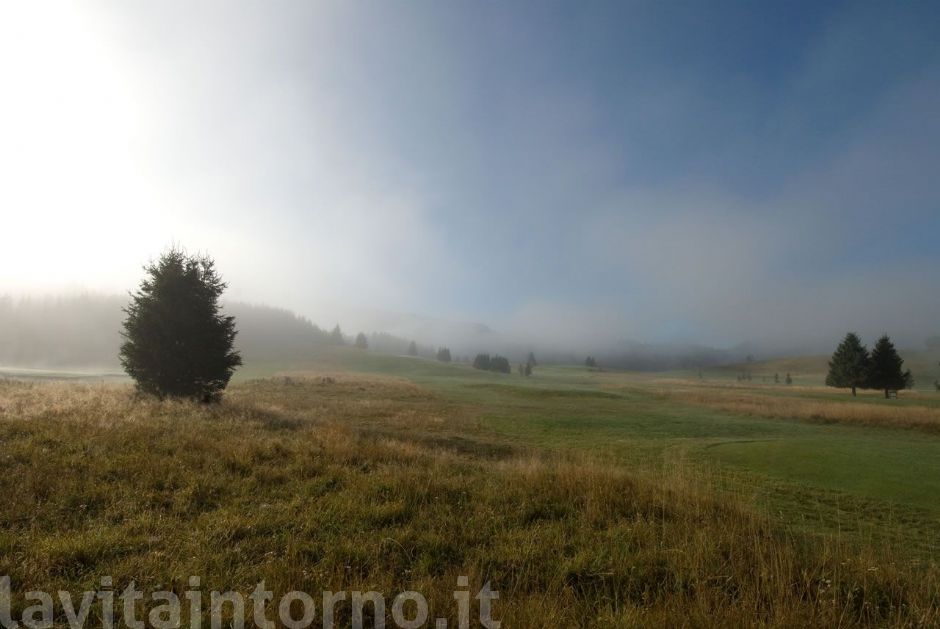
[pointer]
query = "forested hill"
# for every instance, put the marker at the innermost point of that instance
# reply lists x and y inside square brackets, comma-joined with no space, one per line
[84,331]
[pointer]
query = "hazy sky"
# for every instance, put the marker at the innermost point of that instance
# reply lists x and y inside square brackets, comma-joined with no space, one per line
[697,171]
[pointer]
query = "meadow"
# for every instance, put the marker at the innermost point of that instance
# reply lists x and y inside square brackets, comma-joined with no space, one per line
[586,498]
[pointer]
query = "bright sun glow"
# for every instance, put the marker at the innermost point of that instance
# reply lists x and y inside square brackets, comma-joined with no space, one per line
[71,129]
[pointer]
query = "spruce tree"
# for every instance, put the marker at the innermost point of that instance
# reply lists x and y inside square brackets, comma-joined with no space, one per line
[177,343]
[412,349]
[443,354]
[482,361]
[361,341]
[887,368]
[500,364]
[336,336]
[849,364]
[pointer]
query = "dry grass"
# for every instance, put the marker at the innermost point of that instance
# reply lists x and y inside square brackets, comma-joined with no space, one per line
[761,402]
[352,483]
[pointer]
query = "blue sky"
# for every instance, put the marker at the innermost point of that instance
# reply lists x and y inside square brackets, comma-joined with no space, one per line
[695,171]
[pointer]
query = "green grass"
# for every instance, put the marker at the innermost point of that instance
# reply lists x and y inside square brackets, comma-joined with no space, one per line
[624,417]
[890,467]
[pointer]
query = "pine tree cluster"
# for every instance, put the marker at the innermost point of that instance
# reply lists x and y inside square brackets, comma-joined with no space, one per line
[852,366]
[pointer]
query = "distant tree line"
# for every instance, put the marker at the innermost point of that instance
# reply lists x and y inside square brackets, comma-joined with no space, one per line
[75,331]
[853,367]
[386,343]
[378,341]
[66,331]
[497,363]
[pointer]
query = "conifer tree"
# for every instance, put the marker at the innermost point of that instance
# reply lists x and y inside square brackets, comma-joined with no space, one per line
[482,361]
[361,341]
[849,364]
[500,364]
[336,336]
[886,370]
[177,342]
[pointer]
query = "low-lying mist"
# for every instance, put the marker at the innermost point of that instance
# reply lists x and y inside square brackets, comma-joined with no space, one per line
[83,331]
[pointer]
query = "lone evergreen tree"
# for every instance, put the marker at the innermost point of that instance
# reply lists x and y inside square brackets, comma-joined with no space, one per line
[336,336]
[361,341]
[849,364]
[412,349]
[789,380]
[887,368]
[443,354]
[530,360]
[590,362]
[776,378]
[528,369]
[176,341]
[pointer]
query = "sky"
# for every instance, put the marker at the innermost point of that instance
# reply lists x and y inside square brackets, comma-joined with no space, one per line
[708,172]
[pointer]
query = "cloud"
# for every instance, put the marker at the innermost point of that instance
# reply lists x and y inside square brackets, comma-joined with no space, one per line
[702,180]
[840,247]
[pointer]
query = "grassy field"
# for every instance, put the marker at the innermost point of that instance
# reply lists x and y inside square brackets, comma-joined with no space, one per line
[586,498]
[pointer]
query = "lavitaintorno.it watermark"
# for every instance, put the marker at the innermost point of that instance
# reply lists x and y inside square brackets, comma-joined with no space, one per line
[110,607]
